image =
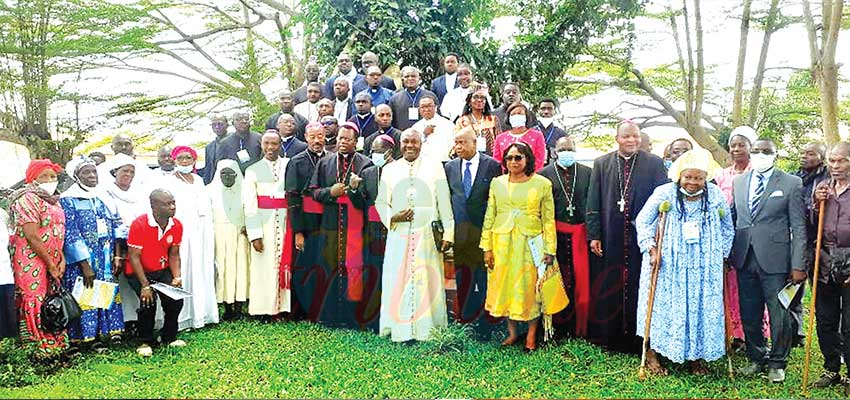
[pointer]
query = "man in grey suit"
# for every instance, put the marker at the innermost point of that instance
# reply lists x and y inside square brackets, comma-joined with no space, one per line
[770,239]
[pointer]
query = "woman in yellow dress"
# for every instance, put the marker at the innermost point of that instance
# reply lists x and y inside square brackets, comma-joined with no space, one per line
[520,207]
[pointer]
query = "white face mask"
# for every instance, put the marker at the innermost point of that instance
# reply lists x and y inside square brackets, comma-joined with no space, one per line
[187,169]
[762,162]
[689,194]
[379,159]
[516,120]
[545,121]
[49,187]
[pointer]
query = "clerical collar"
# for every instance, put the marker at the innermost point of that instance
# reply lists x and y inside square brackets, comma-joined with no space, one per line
[343,100]
[626,158]
[375,89]
[364,116]
[312,153]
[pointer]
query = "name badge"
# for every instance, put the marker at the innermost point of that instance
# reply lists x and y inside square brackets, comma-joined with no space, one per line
[691,232]
[360,143]
[102,229]
[412,113]
[243,156]
[481,144]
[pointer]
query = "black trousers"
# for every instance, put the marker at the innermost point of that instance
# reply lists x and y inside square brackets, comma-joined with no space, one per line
[147,315]
[758,289]
[833,305]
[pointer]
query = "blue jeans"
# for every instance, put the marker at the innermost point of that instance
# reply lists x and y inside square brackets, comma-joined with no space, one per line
[758,289]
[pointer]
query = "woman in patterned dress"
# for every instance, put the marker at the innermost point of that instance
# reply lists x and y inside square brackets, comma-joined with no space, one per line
[688,321]
[89,239]
[518,115]
[37,243]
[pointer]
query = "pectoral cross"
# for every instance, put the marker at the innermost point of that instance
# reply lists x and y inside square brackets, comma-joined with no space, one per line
[571,209]
[162,261]
[622,204]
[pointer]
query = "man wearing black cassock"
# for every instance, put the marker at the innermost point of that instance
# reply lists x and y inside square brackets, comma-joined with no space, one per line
[306,216]
[364,119]
[570,181]
[620,184]
[384,116]
[287,106]
[219,127]
[339,288]
[243,145]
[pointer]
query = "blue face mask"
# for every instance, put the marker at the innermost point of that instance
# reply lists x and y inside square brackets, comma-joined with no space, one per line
[566,158]
[668,164]
[378,159]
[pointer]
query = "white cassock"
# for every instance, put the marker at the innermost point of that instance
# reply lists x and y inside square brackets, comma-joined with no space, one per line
[413,297]
[439,144]
[308,110]
[265,219]
[197,251]
[231,246]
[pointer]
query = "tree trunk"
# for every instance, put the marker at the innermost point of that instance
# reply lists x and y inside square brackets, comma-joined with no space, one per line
[738,95]
[829,71]
[755,94]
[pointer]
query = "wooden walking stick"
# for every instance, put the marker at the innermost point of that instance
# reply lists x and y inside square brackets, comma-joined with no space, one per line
[814,297]
[663,208]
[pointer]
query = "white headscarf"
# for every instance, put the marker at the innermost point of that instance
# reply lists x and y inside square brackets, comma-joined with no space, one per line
[77,190]
[228,199]
[745,132]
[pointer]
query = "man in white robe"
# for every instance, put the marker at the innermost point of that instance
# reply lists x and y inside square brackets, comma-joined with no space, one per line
[265,219]
[413,193]
[231,241]
[438,131]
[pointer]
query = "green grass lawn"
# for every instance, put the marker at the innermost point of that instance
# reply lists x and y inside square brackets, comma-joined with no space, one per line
[250,359]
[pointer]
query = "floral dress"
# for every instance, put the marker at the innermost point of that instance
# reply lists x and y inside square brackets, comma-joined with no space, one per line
[31,275]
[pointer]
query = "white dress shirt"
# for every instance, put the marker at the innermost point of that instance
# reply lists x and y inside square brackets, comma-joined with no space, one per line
[451,79]
[308,110]
[754,182]
[473,168]
[341,109]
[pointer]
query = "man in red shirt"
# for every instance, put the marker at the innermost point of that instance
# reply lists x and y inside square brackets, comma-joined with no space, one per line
[154,256]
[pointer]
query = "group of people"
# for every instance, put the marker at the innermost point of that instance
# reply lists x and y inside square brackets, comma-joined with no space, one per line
[348,208]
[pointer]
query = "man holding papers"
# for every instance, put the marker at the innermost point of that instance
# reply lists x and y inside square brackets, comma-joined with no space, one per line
[154,257]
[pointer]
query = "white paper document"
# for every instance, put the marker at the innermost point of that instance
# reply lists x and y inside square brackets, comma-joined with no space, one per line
[172,292]
[536,246]
[100,295]
[787,294]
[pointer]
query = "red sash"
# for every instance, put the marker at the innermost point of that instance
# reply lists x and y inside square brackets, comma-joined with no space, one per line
[581,272]
[353,248]
[285,270]
[311,206]
[373,214]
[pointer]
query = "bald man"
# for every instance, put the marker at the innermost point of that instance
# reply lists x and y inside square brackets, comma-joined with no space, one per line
[266,224]
[469,176]
[384,118]
[378,93]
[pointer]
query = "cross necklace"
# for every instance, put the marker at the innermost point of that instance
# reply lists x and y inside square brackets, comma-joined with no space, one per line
[628,179]
[570,207]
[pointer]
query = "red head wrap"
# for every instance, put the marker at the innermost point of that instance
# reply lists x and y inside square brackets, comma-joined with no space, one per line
[184,149]
[37,166]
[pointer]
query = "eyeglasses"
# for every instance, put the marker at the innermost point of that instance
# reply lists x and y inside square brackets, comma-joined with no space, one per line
[514,158]
[769,152]
[479,97]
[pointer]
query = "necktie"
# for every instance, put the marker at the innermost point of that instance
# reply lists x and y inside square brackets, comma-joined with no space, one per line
[467,179]
[754,202]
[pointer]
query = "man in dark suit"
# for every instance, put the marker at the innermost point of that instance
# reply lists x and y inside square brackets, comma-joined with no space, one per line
[469,177]
[311,71]
[769,246]
[441,85]
[345,68]
[510,95]
[367,60]
[290,145]
[219,127]
[243,145]
[287,106]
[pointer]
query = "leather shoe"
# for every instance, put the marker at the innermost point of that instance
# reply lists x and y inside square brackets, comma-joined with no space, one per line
[776,375]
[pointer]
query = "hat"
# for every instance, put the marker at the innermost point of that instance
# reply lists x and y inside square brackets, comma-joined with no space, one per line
[699,158]
[37,166]
[77,163]
[744,131]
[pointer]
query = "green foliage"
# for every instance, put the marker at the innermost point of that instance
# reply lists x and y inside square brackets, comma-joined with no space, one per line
[452,338]
[406,32]
[302,360]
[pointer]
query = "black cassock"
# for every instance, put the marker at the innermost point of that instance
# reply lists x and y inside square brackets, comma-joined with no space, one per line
[299,172]
[374,246]
[332,304]
[575,180]
[613,299]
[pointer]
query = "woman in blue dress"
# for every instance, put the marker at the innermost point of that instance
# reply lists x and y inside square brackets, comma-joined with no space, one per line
[89,239]
[688,321]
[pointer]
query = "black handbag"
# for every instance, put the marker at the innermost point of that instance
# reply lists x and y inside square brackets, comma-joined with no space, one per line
[59,309]
[437,230]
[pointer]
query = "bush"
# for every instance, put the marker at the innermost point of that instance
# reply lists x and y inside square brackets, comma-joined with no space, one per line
[451,338]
